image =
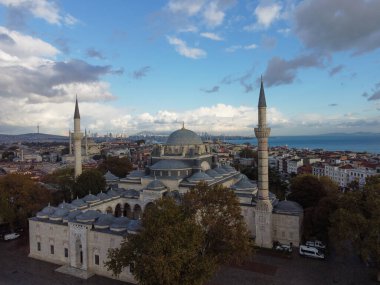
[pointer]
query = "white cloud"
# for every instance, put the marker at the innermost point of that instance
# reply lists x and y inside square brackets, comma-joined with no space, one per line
[265,15]
[204,12]
[24,46]
[212,36]
[213,15]
[43,9]
[189,7]
[238,47]
[182,48]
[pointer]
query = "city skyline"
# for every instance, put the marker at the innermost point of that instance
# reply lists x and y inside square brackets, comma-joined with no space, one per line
[149,66]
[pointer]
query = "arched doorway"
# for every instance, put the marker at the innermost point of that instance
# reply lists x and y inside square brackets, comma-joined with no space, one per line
[127,211]
[137,212]
[118,211]
[109,210]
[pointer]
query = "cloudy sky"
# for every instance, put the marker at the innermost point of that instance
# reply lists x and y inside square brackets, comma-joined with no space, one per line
[149,65]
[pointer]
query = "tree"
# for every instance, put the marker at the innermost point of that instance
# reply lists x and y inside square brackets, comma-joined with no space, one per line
[185,243]
[21,198]
[63,180]
[218,211]
[356,222]
[318,196]
[248,153]
[118,166]
[167,249]
[90,181]
[308,189]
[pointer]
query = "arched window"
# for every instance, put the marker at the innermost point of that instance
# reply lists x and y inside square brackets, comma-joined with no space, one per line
[137,212]
[118,210]
[127,211]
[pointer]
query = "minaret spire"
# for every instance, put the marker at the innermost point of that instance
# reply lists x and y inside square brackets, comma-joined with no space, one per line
[262,101]
[77,135]
[76,113]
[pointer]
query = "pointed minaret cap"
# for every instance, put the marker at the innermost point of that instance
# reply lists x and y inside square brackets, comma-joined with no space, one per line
[262,102]
[76,113]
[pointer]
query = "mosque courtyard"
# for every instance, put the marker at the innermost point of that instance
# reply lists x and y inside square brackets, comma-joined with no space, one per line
[265,267]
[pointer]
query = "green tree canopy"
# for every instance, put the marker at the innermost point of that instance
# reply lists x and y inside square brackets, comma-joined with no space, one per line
[167,249]
[90,181]
[218,211]
[308,190]
[21,198]
[118,166]
[318,196]
[184,243]
[356,222]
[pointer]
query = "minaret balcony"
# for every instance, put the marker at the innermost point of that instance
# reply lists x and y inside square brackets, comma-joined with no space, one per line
[77,136]
[262,132]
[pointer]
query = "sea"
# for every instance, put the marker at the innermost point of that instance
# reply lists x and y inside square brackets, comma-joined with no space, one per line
[332,142]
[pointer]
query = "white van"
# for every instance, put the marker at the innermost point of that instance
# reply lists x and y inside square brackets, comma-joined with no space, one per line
[11,236]
[310,252]
[316,243]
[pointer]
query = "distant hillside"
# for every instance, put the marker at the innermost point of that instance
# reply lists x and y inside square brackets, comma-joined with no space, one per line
[32,137]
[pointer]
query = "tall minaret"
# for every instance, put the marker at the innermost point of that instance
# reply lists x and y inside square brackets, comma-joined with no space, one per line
[85,141]
[263,209]
[77,141]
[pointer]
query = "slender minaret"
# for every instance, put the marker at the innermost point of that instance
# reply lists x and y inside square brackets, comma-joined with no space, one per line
[263,209]
[77,141]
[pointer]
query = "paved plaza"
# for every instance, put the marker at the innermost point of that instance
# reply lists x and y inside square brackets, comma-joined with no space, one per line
[265,267]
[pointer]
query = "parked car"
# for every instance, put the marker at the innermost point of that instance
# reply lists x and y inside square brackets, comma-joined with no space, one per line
[309,251]
[316,243]
[282,247]
[11,236]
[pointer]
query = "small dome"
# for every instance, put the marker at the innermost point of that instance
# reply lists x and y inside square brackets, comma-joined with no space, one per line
[71,216]
[288,207]
[221,171]
[90,198]
[184,137]
[244,184]
[79,203]
[229,168]
[104,221]
[103,196]
[59,214]
[88,216]
[119,224]
[67,206]
[156,185]
[46,212]
[113,193]
[200,176]
[110,177]
[136,174]
[214,174]
[134,225]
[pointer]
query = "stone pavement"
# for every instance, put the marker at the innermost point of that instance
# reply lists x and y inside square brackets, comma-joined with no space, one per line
[264,268]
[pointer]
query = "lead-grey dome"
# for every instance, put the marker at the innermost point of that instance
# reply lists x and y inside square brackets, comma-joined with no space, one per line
[184,137]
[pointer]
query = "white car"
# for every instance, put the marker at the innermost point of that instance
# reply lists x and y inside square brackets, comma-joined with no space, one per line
[310,252]
[11,236]
[316,243]
[284,248]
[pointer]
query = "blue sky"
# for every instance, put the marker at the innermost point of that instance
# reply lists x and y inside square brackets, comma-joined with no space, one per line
[149,65]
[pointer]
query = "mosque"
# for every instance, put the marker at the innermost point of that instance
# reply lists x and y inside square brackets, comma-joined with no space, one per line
[77,235]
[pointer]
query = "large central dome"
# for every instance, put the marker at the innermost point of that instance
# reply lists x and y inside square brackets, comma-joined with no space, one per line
[184,137]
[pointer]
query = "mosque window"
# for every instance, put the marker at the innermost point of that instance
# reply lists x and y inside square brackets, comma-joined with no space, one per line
[96,259]
[66,252]
[38,246]
[52,249]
